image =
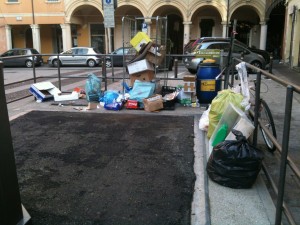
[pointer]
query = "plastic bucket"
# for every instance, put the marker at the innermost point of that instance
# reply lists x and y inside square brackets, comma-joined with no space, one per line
[207,86]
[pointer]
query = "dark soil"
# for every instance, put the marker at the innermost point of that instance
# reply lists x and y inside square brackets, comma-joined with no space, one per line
[88,168]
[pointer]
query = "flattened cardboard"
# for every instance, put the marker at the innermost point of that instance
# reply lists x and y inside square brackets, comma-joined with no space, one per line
[44,90]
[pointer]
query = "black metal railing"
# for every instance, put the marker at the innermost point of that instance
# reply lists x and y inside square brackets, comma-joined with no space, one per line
[283,148]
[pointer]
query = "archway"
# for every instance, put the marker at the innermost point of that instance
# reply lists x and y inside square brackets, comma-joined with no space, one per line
[206,22]
[247,19]
[175,28]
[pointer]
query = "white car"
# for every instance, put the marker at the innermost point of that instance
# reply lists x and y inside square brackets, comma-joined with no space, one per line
[84,56]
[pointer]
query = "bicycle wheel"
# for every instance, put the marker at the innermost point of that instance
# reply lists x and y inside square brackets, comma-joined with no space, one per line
[268,122]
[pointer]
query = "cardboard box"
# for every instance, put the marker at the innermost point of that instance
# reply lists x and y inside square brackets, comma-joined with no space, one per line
[139,40]
[189,78]
[44,90]
[139,66]
[189,86]
[156,55]
[147,75]
[73,96]
[153,103]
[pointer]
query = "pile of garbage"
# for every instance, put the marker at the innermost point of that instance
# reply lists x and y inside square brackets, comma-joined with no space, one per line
[233,161]
[142,91]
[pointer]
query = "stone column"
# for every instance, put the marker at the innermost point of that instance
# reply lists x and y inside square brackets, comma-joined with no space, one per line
[8,36]
[36,37]
[225,31]
[66,36]
[263,35]
[186,31]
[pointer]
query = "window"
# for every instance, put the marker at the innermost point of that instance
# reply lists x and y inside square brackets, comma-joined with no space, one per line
[12,1]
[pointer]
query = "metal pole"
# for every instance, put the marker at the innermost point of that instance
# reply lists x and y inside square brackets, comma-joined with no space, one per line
[257,106]
[32,10]
[58,72]
[229,61]
[292,36]
[284,152]
[227,22]
[10,200]
[176,67]
[271,63]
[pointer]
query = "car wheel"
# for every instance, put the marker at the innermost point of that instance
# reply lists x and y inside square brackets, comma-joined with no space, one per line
[91,63]
[108,63]
[256,64]
[28,64]
[55,63]
[192,71]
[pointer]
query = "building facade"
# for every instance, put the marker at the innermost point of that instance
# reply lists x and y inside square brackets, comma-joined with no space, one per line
[52,26]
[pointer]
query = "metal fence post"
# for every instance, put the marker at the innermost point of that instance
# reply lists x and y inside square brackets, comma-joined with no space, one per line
[176,67]
[271,63]
[284,152]
[256,108]
[10,200]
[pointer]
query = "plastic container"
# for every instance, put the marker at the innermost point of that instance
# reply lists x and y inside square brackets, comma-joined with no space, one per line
[207,86]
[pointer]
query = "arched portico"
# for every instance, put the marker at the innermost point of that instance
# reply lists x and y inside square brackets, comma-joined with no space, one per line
[251,23]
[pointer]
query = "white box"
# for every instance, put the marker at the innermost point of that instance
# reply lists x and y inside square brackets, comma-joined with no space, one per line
[69,97]
[44,90]
[139,66]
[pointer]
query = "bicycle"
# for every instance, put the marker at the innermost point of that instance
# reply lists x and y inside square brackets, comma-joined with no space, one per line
[265,119]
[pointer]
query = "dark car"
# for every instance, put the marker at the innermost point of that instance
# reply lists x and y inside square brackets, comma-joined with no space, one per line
[21,57]
[263,53]
[116,58]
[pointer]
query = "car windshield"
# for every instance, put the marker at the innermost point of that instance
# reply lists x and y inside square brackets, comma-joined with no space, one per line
[34,51]
[96,50]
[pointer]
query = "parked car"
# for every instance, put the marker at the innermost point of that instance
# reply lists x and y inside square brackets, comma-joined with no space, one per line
[188,47]
[191,62]
[265,54]
[116,58]
[23,57]
[85,56]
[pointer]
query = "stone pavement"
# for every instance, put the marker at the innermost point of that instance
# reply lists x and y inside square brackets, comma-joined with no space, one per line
[213,204]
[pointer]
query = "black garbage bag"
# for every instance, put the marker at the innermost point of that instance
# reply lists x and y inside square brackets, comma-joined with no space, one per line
[235,163]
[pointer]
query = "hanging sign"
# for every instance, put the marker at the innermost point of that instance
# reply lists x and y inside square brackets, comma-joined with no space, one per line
[109,13]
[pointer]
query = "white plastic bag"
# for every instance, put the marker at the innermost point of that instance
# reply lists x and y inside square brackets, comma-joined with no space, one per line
[204,120]
[242,71]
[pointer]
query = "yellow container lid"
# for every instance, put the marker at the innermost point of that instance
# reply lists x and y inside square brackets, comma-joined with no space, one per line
[209,61]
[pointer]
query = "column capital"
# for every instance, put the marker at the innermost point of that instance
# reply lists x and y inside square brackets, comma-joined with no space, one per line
[34,26]
[7,27]
[186,22]
[263,23]
[148,21]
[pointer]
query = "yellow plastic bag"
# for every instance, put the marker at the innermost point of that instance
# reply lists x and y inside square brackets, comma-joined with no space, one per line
[218,106]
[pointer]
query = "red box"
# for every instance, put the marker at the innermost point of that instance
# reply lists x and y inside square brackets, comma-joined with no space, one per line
[132,104]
